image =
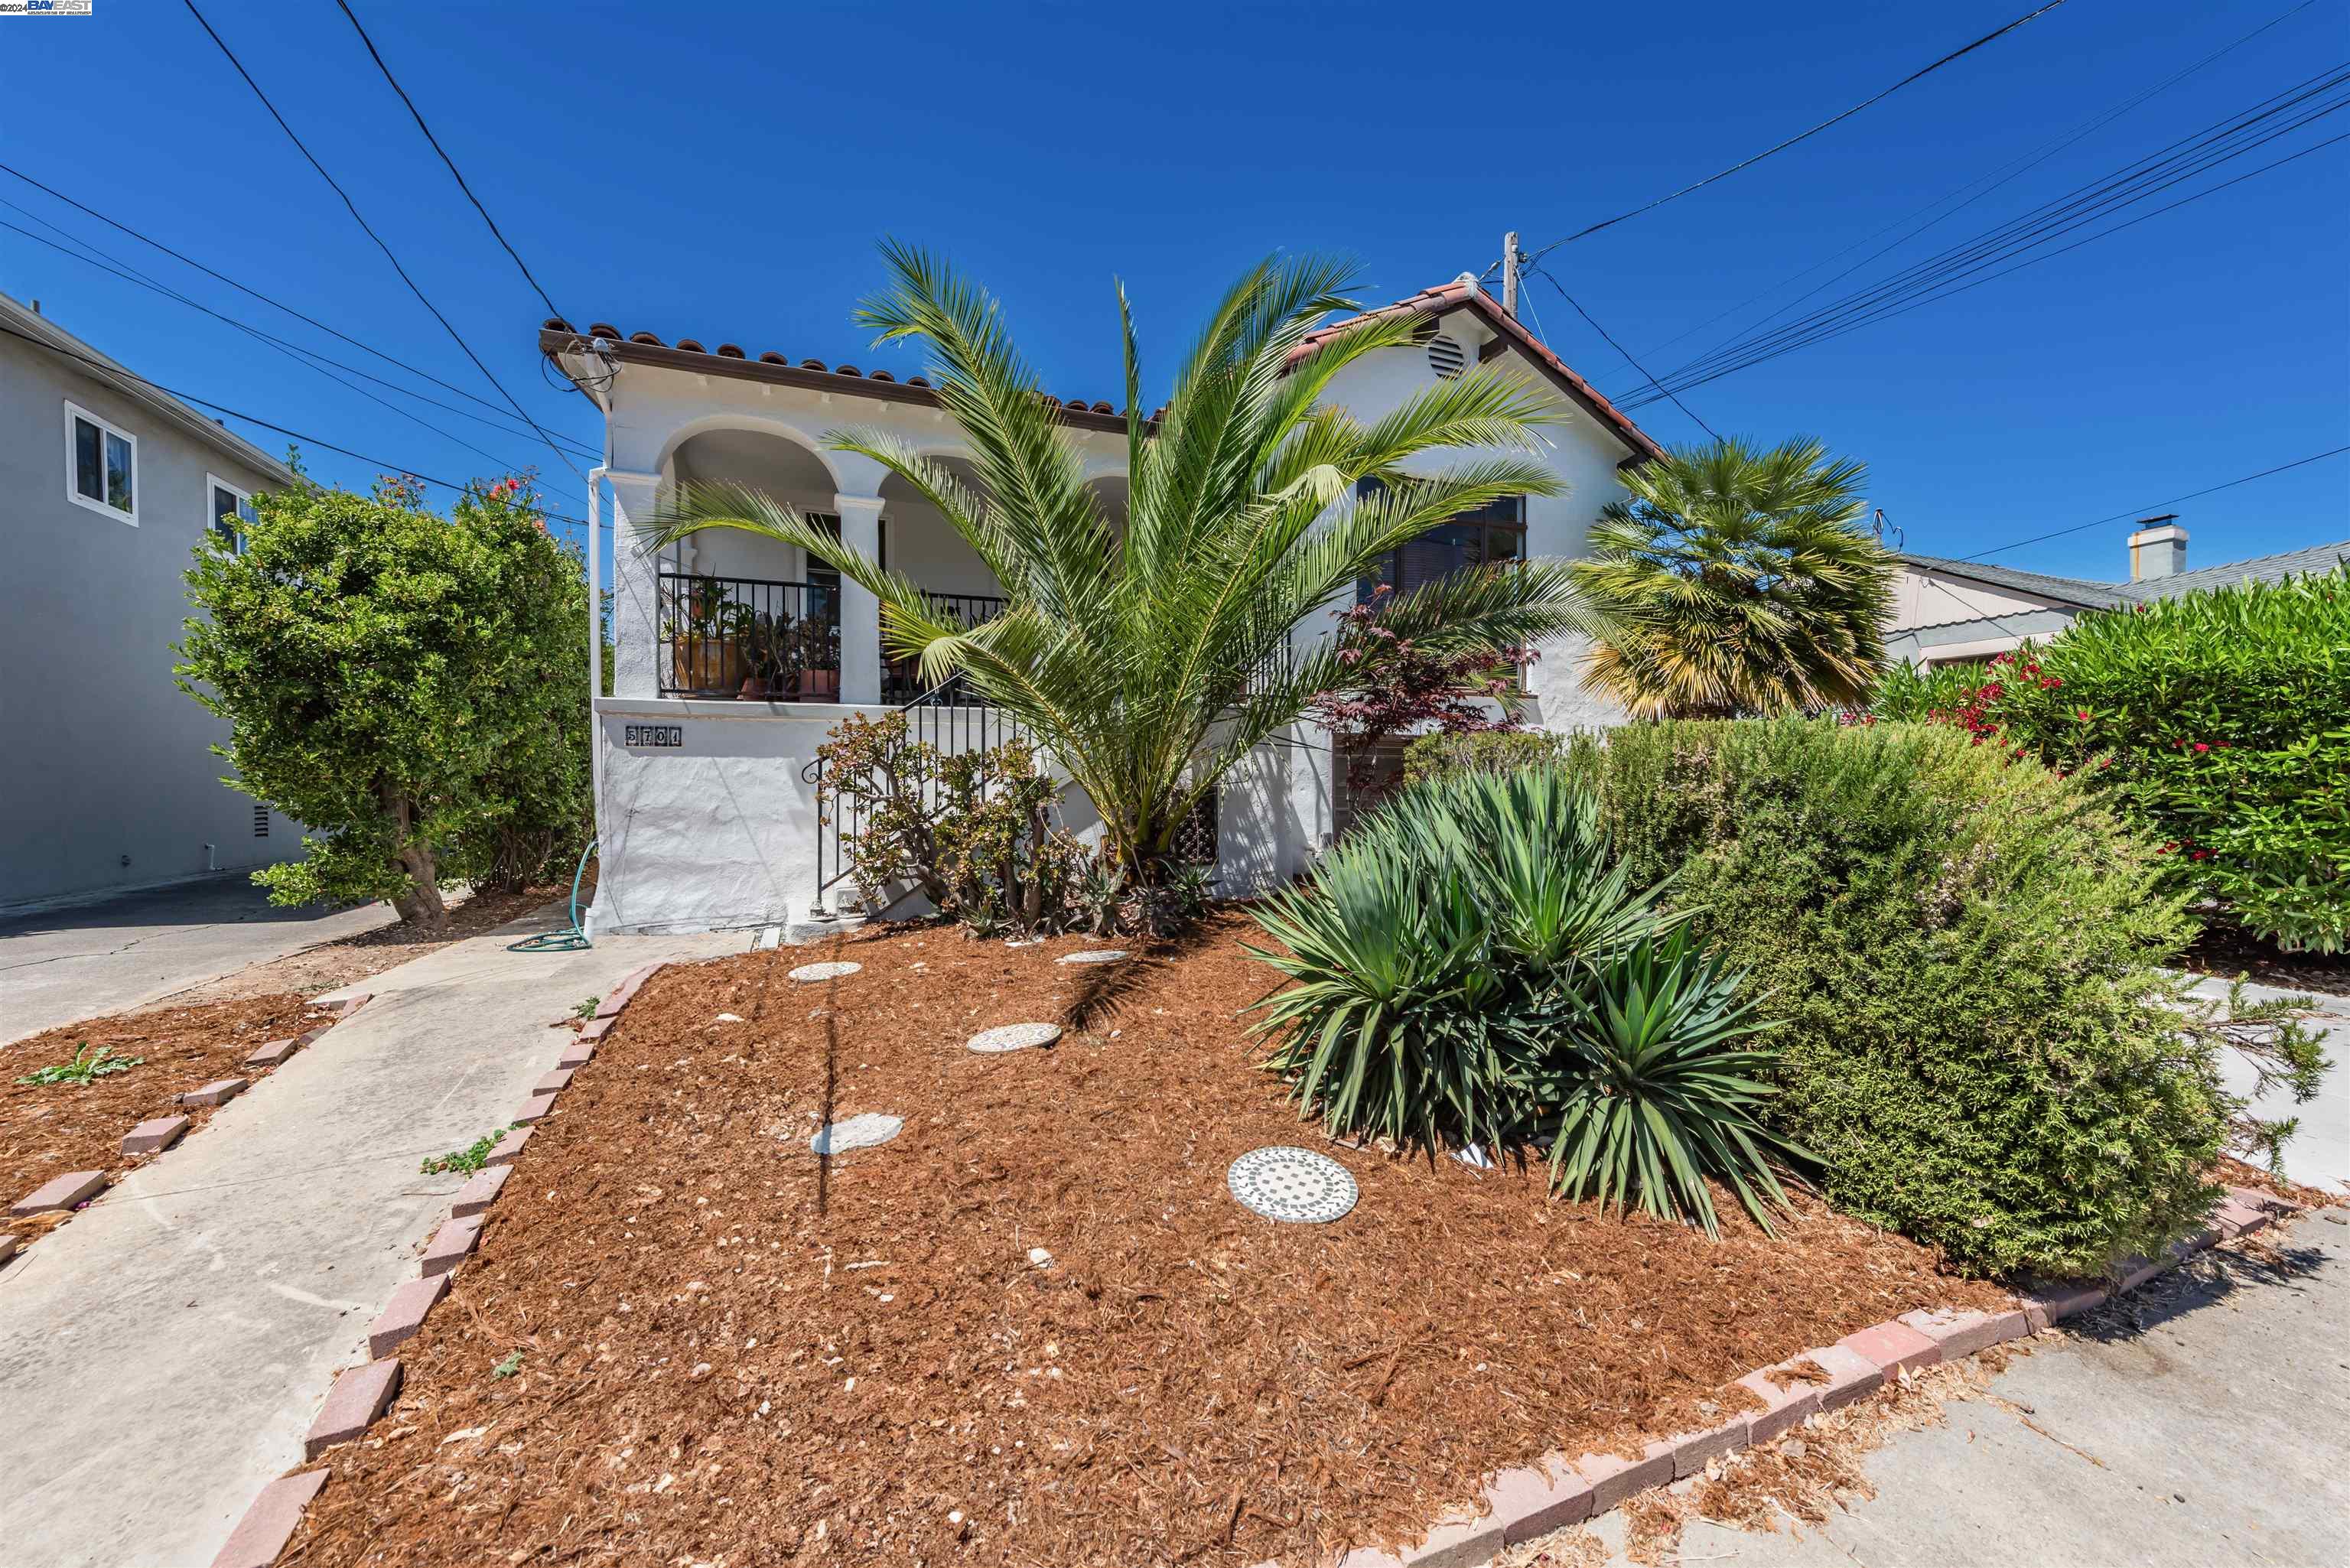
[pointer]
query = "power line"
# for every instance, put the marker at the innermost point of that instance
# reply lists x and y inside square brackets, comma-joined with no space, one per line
[309,357]
[381,464]
[417,116]
[2148,507]
[1938,276]
[352,207]
[1833,119]
[2003,174]
[181,257]
[1635,364]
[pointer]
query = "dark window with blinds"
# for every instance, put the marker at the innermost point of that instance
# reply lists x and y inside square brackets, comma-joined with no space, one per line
[1473,539]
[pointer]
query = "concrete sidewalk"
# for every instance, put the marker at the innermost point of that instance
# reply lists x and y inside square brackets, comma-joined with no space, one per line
[2214,1433]
[161,1356]
[123,952]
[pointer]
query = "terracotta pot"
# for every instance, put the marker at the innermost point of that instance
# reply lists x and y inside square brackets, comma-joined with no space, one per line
[820,685]
[707,664]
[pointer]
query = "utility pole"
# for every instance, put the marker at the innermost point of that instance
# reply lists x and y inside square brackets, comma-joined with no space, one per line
[1509,273]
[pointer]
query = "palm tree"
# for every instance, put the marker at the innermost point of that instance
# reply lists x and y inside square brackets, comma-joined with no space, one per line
[1148,661]
[1741,581]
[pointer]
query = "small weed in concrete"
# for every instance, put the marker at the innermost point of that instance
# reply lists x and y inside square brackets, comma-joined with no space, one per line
[588,1007]
[86,1066]
[469,1160]
[508,1367]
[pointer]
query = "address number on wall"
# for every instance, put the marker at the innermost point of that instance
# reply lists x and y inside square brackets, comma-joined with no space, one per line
[657,736]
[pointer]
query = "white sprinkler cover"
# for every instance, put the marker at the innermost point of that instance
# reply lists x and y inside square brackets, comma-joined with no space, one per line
[1294,1185]
[1014,1036]
[808,973]
[857,1132]
[1097,955]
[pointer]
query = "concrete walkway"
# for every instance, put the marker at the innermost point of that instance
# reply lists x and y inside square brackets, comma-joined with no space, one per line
[162,1354]
[2217,1434]
[2318,1153]
[91,959]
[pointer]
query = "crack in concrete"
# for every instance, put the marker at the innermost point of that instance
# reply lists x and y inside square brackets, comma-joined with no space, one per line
[113,952]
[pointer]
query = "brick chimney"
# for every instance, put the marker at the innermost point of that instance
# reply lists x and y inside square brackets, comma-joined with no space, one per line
[2157,549]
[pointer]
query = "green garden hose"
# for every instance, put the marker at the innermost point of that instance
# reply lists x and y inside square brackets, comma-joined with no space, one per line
[576,939]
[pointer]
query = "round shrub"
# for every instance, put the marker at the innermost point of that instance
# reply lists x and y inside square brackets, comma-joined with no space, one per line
[1963,952]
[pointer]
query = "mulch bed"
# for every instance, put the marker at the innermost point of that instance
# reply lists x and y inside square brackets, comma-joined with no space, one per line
[47,1130]
[732,1353]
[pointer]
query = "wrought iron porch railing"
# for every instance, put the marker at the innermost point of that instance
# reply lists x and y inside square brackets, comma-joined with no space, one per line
[749,637]
[939,719]
[901,681]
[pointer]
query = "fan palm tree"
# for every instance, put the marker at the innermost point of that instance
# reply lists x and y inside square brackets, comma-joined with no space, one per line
[1741,581]
[1148,661]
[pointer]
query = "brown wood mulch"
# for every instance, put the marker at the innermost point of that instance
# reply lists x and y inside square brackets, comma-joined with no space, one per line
[2224,952]
[46,1130]
[731,1353]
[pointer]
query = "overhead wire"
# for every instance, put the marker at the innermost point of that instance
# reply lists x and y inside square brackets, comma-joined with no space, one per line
[416,114]
[92,256]
[1602,332]
[352,207]
[2003,174]
[217,276]
[1922,71]
[1941,275]
[2148,507]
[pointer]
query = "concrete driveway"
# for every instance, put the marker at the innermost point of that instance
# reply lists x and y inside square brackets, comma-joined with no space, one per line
[109,957]
[2212,1432]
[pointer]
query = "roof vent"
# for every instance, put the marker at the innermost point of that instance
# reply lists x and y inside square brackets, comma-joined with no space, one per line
[1446,357]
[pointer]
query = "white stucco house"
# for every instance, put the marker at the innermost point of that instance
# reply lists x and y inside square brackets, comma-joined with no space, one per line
[733,657]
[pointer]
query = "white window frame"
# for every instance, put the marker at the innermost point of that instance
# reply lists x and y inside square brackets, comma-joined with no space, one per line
[215,481]
[73,459]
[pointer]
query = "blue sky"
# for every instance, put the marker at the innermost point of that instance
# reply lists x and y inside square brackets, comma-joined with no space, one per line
[722,171]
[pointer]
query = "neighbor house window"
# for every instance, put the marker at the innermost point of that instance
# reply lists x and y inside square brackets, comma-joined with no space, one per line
[231,512]
[102,465]
[1473,539]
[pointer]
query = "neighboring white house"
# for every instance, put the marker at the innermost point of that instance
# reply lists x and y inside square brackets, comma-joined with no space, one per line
[1958,612]
[105,484]
[733,657]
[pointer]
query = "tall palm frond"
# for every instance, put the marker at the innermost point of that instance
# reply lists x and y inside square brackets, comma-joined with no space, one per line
[1149,660]
[1741,582]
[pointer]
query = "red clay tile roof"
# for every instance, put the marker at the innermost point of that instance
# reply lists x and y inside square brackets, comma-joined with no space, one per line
[1464,295]
[557,335]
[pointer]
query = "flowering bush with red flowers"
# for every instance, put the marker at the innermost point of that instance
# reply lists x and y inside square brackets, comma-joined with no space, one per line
[2217,721]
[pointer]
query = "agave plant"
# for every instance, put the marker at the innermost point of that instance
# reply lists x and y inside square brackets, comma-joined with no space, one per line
[1471,966]
[1148,661]
[1661,1087]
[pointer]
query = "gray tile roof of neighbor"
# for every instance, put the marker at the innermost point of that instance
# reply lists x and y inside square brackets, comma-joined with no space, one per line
[2260,568]
[2068,590]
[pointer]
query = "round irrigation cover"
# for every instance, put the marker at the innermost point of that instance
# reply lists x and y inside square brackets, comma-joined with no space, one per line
[1097,955]
[1015,1037]
[809,973]
[857,1132]
[1294,1185]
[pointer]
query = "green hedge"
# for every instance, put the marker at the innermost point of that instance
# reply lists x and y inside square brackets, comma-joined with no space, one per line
[2220,722]
[1964,952]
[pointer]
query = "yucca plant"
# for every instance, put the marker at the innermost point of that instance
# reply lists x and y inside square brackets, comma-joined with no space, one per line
[1469,967]
[1661,1087]
[1148,661]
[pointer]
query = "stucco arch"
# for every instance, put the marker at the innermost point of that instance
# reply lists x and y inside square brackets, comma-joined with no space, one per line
[835,465]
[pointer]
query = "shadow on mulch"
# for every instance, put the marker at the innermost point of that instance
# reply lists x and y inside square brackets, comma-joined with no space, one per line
[732,1350]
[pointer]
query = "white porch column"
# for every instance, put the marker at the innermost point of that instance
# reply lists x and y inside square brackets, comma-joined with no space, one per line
[636,604]
[860,612]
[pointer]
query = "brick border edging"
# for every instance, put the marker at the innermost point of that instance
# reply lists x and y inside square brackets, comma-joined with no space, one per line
[361,1394]
[76,1189]
[1558,1491]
